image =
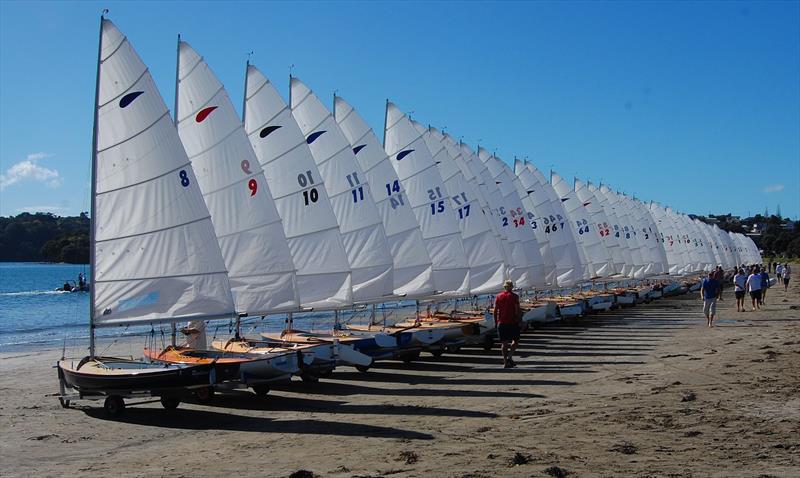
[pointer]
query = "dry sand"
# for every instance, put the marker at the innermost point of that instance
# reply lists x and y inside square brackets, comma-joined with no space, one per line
[647,391]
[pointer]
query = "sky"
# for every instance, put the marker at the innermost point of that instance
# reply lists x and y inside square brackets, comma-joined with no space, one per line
[695,105]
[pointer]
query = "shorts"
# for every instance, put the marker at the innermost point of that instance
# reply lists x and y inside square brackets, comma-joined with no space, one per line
[709,306]
[786,281]
[507,332]
[755,294]
[740,294]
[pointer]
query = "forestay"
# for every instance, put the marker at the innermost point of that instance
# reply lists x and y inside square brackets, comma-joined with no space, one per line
[323,272]
[156,257]
[413,270]
[351,197]
[246,222]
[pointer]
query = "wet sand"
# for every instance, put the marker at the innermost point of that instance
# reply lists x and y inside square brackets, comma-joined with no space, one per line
[646,391]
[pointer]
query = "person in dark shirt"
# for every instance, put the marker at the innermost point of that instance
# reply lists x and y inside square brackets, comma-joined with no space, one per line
[709,292]
[508,320]
[764,285]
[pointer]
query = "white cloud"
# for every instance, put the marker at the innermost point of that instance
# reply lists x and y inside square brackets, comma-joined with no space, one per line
[60,210]
[773,188]
[28,169]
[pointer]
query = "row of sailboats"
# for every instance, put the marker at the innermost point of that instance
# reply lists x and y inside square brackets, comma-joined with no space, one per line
[295,208]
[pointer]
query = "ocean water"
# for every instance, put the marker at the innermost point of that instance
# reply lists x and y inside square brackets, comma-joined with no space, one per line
[33,314]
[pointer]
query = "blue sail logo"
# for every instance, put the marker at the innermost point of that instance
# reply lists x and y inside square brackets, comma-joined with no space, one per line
[313,136]
[403,154]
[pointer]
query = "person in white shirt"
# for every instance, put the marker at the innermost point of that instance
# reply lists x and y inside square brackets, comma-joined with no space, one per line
[739,283]
[787,274]
[779,271]
[754,287]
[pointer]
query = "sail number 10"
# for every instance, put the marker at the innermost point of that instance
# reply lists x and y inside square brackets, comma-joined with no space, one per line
[310,195]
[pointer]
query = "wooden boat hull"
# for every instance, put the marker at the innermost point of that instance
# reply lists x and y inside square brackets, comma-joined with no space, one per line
[115,375]
[353,350]
[227,366]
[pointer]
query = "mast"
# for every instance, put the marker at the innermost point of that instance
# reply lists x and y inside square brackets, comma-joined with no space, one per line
[244,96]
[385,121]
[92,219]
[174,334]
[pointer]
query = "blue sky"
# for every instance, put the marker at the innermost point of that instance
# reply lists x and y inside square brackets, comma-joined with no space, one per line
[691,104]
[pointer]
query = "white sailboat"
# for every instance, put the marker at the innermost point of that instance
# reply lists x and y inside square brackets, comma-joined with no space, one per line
[154,254]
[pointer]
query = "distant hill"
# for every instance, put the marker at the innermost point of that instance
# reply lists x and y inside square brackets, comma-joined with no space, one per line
[44,237]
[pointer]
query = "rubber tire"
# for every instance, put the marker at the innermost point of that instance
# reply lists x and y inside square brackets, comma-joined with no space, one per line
[309,377]
[325,373]
[260,390]
[170,403]
[488,344]
[64,402]
[204,395]
[362,368]
[437,353]
[410,357]
[114,405]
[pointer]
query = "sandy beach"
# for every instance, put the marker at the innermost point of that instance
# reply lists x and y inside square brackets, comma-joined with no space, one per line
[646,391]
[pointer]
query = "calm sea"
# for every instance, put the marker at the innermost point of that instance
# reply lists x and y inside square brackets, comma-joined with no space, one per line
[33,314]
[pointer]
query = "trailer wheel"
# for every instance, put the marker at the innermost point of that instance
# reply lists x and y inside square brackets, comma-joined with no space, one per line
[362,368]
[309,377]
[260,390]
[325,373]
[437,352]
[170,403]
[114,405]
[205,394]
[488,344]
[410,357]
[64,402]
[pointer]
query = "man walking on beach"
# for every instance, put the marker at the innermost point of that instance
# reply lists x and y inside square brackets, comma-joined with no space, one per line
[739,281]
[754,287]
[508,319]
[709,292]
[787,274]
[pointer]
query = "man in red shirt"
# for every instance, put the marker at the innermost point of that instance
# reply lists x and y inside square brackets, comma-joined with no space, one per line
[507,319]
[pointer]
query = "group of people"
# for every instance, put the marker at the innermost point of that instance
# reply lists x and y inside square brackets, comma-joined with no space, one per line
[755,281]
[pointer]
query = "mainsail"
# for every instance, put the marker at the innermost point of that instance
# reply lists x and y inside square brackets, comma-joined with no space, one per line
[350,194]
[323,271]
[427,196]
[235,190]
[484,253]
[581,223]
[155,255]
[413,271]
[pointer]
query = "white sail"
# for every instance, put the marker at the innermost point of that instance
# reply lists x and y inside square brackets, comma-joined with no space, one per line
[650,234]
[492,204]
[538,206]
[349,190]
[639,253]
[582,224]
[650,264]
[668,238]
[527,259]
[427,196]
[484,251]
[603,256]
[627,266]
[413,270]
[323,271]
[621,230]
[246,222]
[156,257]
[550,221]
